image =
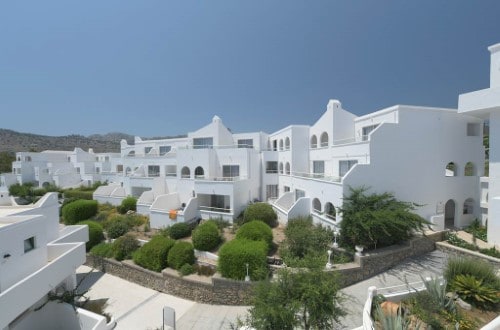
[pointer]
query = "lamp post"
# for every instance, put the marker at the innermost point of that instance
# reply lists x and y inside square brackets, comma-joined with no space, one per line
[335,244]
[247,277]
[329,264]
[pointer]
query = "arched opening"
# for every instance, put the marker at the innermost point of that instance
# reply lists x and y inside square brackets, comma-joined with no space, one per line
[469,169]
[281,168]
[199,173]
[131,153]
[330,211]
[451,169]
[281,144]
[314,141]
[469,206]
[185,172]
[45,185]
[324,139]
[449,214]
[128,170]
[287,168]
[316,204]
[287,143]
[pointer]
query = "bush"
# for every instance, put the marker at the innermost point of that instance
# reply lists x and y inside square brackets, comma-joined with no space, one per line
[104,250]
[219,222]
[124,246]
[472,290]
[256,231]
[79,210]
[186,269]
[479,269]
[180,230]
[261,211]
[19,190]
[117,229]
[128,204]
[204,270]
[235,254]
[78,194]
[206,237]
[96,234]
[181,253]
[153,255]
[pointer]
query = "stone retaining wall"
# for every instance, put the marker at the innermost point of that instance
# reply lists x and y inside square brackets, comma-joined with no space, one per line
[461,252]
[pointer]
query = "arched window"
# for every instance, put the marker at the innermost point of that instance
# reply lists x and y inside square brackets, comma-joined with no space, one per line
[199,172]
[324,139]
[287,143]
[469,169]
[287,168]
[281,144]
[314,141]
[316,204]
[330,211]
[185,172]
[469,206]
[451,169]
[128,170]
[281,168]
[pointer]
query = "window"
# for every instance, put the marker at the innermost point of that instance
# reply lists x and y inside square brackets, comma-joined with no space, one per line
[185,172]
[281,168]
[316,204]
[199,172]
[451,169]
[106,159]
[287,168]
[98,170]
[29,244]
[324,139]
[367,130]
[171,170]
[473,129]
[231,171]
[286,188]
[469,206]
[345,166]
[469,169]
[275,145]
[78,170]
[319,168]
[27,159]
[245,143]
[147,150]
[203,143]
[131,153]
[281,144]
[119,168]
[287,143]
[271,191]
[314,141]
[299,194]
[153,170]
[330,210]
[271,167]
[164,150]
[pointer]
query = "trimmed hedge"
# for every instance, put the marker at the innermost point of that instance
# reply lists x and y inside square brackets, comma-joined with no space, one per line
[260,211]
[153,255]
[180,230]
[79,210]
[78,194]
[96,234]
[206,237]
[103,249]
[180,254]
[256,231]
[123,247]
[117,229]
[235,254]
[128,204]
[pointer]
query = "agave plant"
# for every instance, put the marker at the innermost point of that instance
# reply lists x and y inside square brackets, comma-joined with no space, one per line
[437,289]
[395,321]
[473,290]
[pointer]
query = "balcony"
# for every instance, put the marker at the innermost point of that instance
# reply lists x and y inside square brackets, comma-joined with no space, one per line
[316,176]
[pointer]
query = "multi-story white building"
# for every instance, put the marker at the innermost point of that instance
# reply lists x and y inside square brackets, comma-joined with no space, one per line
[485,104]
[36,257]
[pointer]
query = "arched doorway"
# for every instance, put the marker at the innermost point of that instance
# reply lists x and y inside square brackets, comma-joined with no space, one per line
[449,214]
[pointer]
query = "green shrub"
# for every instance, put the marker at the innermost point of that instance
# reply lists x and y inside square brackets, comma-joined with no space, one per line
[96,234]
[180,230]
[186,269]
[235,254]
[477,268]
[78,194]
[221,223]
[153,255]
[204,270]
[104,250]
[19,190]
[117,229]
[256,231]
[79,210]
[181,253]
[128,204]
[261,211]
[124,246]
[472,290]
[206,237]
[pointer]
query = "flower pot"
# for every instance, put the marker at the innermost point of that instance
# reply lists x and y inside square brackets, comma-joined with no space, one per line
[359,250]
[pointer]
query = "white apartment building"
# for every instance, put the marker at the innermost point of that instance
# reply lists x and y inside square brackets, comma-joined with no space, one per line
[485,104]
[36,257]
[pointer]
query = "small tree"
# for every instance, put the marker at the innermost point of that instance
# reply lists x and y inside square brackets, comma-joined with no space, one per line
[261,211]
[128,204]
[377,220]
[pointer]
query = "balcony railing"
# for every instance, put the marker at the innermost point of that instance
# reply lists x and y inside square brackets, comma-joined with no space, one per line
[317,176]
[215,209]
[229,146]
[226,179]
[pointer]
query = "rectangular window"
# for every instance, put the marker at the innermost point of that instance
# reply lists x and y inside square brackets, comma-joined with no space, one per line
[271,167]
[98,170]
[29,244]
[171,170]
[164,150]
[319,168]
[203,143]
[245,143]
[153,170]
[367,130]
[119,168]
[299,194]
[345,166]
[106,159]
[147,150]
[473,129]
[231,171]
[286,188]
[271,191]
[78,170]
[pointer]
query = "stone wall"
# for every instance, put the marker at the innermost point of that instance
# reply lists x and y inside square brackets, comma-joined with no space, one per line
[461,252]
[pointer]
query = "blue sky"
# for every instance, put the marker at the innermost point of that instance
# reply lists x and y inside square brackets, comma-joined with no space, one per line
[154,68]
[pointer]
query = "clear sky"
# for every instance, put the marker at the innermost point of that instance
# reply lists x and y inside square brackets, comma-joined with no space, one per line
[152,68]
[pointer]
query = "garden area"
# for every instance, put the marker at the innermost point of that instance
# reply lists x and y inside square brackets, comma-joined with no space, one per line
[478,233]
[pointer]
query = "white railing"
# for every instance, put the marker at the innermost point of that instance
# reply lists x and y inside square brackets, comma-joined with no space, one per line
[226,179]
[363,138]
[227,146]
[215,209]
[317,176]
